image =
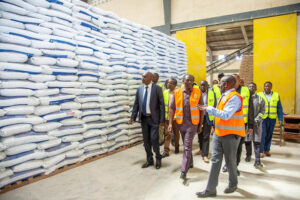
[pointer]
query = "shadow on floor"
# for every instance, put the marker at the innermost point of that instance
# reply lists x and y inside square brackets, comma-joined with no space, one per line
[268,176]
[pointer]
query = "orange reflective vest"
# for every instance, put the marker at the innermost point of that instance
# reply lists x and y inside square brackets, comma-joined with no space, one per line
[194,100]
[235,124]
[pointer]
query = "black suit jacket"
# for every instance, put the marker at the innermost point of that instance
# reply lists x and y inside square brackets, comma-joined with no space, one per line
[157,105]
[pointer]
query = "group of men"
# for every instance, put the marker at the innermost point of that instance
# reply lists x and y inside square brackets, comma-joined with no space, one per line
[236,113]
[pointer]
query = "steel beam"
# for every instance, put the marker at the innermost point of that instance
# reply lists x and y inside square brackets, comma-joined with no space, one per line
[167,16]
[281,10]
[245,35]
[229,25]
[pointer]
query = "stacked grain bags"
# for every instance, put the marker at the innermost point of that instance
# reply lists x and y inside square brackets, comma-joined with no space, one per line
[69,74]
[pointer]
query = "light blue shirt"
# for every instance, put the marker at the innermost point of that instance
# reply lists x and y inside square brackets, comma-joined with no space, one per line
[232,106]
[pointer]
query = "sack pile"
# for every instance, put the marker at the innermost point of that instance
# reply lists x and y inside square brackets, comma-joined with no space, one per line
[69,74]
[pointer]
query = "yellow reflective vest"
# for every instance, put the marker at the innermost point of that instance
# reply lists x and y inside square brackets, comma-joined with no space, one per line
[245,93]
[271,107]
[210,102]
[217,90]
[166,101]
[160,85]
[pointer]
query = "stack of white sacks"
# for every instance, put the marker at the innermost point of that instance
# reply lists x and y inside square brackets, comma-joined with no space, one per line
[69,74]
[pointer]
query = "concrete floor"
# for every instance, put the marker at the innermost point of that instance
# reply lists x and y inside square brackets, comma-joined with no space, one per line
[120,177]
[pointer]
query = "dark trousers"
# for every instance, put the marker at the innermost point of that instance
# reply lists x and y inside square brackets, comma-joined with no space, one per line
[267,133]
[203,138]
[256,146]
[151,139]
[226,145]
[239,151]
[168,136]
[187,139]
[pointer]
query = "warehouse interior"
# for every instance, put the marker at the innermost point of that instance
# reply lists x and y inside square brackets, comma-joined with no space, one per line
[77,103]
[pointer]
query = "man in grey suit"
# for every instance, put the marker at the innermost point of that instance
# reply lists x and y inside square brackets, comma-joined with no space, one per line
[149,106]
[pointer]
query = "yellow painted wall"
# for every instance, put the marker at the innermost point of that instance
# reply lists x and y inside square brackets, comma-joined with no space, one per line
[297,106]
[195,41]
[274,56]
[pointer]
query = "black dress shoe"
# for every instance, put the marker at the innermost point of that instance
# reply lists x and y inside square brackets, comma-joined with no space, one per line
[176,150]
[206,193]
[183,175]
[224,169]
[258,164]
[164,155]
[248,159]
[147,164]
[158,164]
[230,189]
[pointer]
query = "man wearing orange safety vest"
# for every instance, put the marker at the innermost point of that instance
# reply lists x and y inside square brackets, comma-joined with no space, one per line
[188,118]
[229,128]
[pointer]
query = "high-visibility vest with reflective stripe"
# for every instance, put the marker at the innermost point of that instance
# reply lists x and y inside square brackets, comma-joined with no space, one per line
[217,90]
[166,100]
[194,100]
[271,107]
[194,86]
[235,124]
[210,102]
[245,93]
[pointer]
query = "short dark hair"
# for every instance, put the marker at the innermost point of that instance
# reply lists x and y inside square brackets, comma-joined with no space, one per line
[174,80]
[229,79]
[220,75]
[268,82]
[156,74]
[253,84]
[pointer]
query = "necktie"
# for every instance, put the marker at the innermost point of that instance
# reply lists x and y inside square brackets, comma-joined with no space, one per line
[145,102]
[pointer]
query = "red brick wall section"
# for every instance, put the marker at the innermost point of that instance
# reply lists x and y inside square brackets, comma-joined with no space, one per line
[246,69]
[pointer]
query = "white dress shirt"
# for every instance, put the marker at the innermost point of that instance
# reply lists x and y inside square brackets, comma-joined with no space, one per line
[268,96]
[148,97]
[232,106]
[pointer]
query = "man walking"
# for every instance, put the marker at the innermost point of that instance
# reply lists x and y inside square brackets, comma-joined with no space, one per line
[169,94]
[259,111]
[248,116]
[149,103]
[209,98]
[229,128]
[273,109]
[188,118]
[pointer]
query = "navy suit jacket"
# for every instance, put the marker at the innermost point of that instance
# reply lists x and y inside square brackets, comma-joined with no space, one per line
[157,105]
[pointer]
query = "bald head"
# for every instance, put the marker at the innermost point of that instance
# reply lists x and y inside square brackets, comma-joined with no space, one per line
[147,78]
[227,83]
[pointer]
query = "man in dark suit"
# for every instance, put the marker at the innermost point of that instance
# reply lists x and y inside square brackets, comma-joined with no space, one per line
[149,105]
